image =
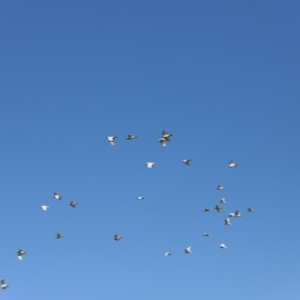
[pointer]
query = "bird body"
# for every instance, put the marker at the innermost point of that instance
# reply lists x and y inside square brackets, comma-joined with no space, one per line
[57,196]
[218,208]
[227,221]
[111,140]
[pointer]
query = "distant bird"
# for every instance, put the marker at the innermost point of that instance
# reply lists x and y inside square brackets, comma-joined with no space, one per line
[237,214]
[222,200]
[45,207]
[166,135]
[249,209]
[231,215]
[168,254]
[163,142]
[206,234]
[220,187]
[223,246]
[20,254]
[218,208]
[227,221]
[57,196]
[73,204]
[150,164]
[111,140]
[188,250]
[3,285]
[206,209]
[141,198]
[59,236]
[117,237]
[131,137]
[187,161]
[232,164]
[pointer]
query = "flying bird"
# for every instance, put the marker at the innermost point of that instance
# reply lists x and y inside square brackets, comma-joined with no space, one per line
[3,285]
[150,164]
[237,214]
[222,200]
[249,209]
[168,254]
[57,196]
[131,137]
[232,164]
[73,204]
[166,135]
[220,187]
[20,254]
[117,237]
[223,246]
[206,234]
[206,209]
[163,142]
[227,221]
[186,161]
[59,236]
[141,198]
[218,208]
[45,207]
[111,140]
[188,250]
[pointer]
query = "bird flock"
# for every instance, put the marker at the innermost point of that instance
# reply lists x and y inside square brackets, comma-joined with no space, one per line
[163,140]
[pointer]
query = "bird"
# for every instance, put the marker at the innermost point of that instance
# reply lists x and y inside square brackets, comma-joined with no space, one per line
[218,208]
[111,140]
[20,254]
[131,137]
[206,209]
[117,237]
[206,234]
[188,250]
[231,215]
[163,142]
[45,207]
[237,214]
[186,161]
[150,164]
[57,196]
[232,164]
[220,187]
[166,135]
[141,198]
[222,200]
[249,209]
[168,254]
[73,204]
[59,236]
[4,285]
[222,246]
[227,221]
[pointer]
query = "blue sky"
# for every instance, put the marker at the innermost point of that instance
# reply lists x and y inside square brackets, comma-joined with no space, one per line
[222,76]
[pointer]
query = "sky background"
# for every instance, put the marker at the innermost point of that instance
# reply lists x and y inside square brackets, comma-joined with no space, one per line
[221,76]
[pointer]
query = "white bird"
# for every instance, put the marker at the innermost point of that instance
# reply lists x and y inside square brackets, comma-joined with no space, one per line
[187,161]
[206,209]
[131,137]
[222,200]
[232,164]
[188,250]
[59,236]
[168,254]
[45,207]
[223,246]
[163,142]
[3,284]
[73,204]
[57,196]
[111,140]
[218,208]
[166,135]
[227,221]
[141,198]
[206,234]
[117,237]
[249,209]
[237,214]
[231,215]
[150,164]
[220,187]
[20,254]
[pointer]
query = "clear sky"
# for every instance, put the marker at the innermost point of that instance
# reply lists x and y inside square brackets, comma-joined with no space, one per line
[221,76]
